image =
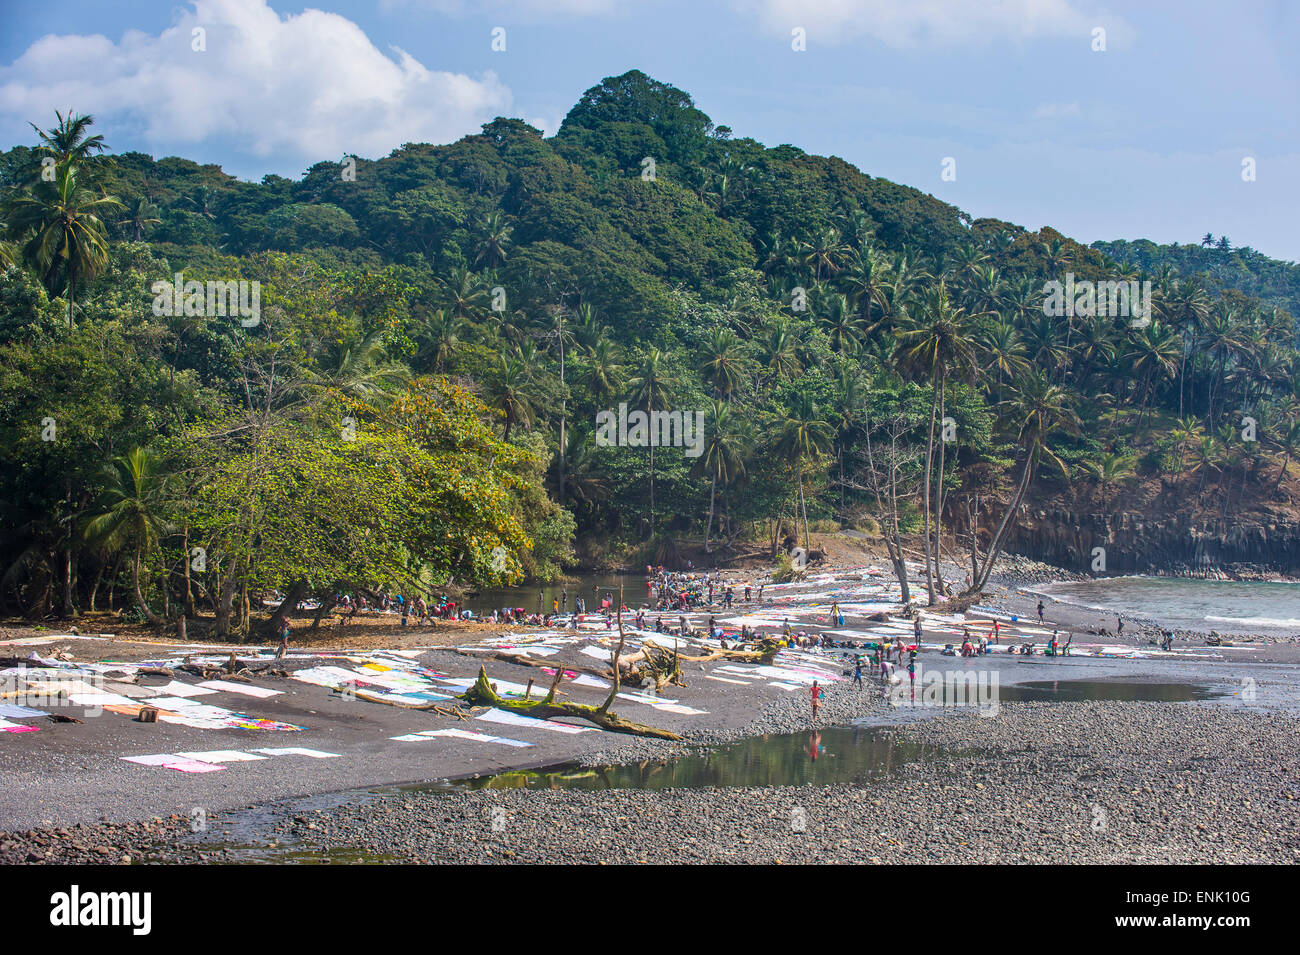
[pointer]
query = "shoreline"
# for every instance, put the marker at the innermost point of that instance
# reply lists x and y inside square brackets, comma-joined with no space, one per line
[137,823]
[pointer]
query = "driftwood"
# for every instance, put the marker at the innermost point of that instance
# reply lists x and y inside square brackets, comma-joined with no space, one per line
[426,707]
[530,662]
[482,694]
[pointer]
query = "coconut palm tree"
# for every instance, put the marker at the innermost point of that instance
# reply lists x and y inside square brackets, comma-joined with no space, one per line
[842,326]
[1109,470]
[802,436]
[130,513]
[513,392]
[723,459]
[653,388]
[60,225]
[438,337]
[937,340]
[600,370]
[1004,353]
[1037,411]
[463,294]
[779,353]
[68,143]
[141,215]
[865,280]
[494,236]
[722,362]
[1153,354]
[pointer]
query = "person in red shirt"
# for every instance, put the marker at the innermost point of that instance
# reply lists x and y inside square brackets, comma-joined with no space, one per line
[816,698]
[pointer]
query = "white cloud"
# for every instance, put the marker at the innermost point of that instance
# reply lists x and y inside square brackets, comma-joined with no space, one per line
[580,8]
[910,23]
[309,86]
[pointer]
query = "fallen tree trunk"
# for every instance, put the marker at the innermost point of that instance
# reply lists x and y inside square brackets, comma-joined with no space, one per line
[427,707]
[482,694]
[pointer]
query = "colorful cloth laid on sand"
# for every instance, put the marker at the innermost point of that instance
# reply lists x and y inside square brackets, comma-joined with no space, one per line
[185,712]
[390,676]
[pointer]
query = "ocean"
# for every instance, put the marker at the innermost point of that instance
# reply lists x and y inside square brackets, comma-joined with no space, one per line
[1225,605]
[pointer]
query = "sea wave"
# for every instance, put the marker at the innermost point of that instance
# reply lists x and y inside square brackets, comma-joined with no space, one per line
[1255,621]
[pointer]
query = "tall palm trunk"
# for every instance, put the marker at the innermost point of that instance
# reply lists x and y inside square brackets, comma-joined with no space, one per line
[938,491]
[803,506]
[1004,528]
[929,468]
[139,597]
[652,490]
[708,528]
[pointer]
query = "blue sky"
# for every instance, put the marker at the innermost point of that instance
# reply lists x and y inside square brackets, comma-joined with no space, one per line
[1143,139]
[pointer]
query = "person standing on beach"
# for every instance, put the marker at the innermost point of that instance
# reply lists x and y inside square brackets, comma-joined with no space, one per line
[1040,610]
[857,673]
[284,640]
[564,599]
[816,699]
[917,631]
[1119,626]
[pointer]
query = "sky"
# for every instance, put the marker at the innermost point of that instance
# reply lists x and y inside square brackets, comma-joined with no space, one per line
[1176,119]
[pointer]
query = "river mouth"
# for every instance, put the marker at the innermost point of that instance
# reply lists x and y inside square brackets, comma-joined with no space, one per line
[833,755]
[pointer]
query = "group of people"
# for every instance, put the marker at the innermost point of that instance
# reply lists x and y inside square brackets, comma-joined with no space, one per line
[424,613]
[668,590]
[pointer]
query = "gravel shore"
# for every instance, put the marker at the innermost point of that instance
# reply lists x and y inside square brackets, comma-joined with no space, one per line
[1092,782]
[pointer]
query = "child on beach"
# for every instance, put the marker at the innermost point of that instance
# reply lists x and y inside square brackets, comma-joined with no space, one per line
[816,699]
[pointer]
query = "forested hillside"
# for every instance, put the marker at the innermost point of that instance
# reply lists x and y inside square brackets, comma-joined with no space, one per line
[1217,264]
[413,399]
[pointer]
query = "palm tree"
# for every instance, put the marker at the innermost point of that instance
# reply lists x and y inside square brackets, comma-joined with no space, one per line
[848,420]
[866,279]
[1038,410]
[935,342]
[130,513]
[722,362]
[1108,471]
[1003,351]
[62,231]
[1153,355]
[803,435]
[360,370]
[513,392]
[600,370]
[1222,339]
[779,351]
[653,389]
[67,143]
[1289,441]
[203,199]
[723,459]
[494,230]
[439,336]
[463,294]
[842,325]
[142,213]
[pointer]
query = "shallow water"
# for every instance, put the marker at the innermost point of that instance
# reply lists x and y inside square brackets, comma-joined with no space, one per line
[1228,606]
[829,756]
[590,587]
